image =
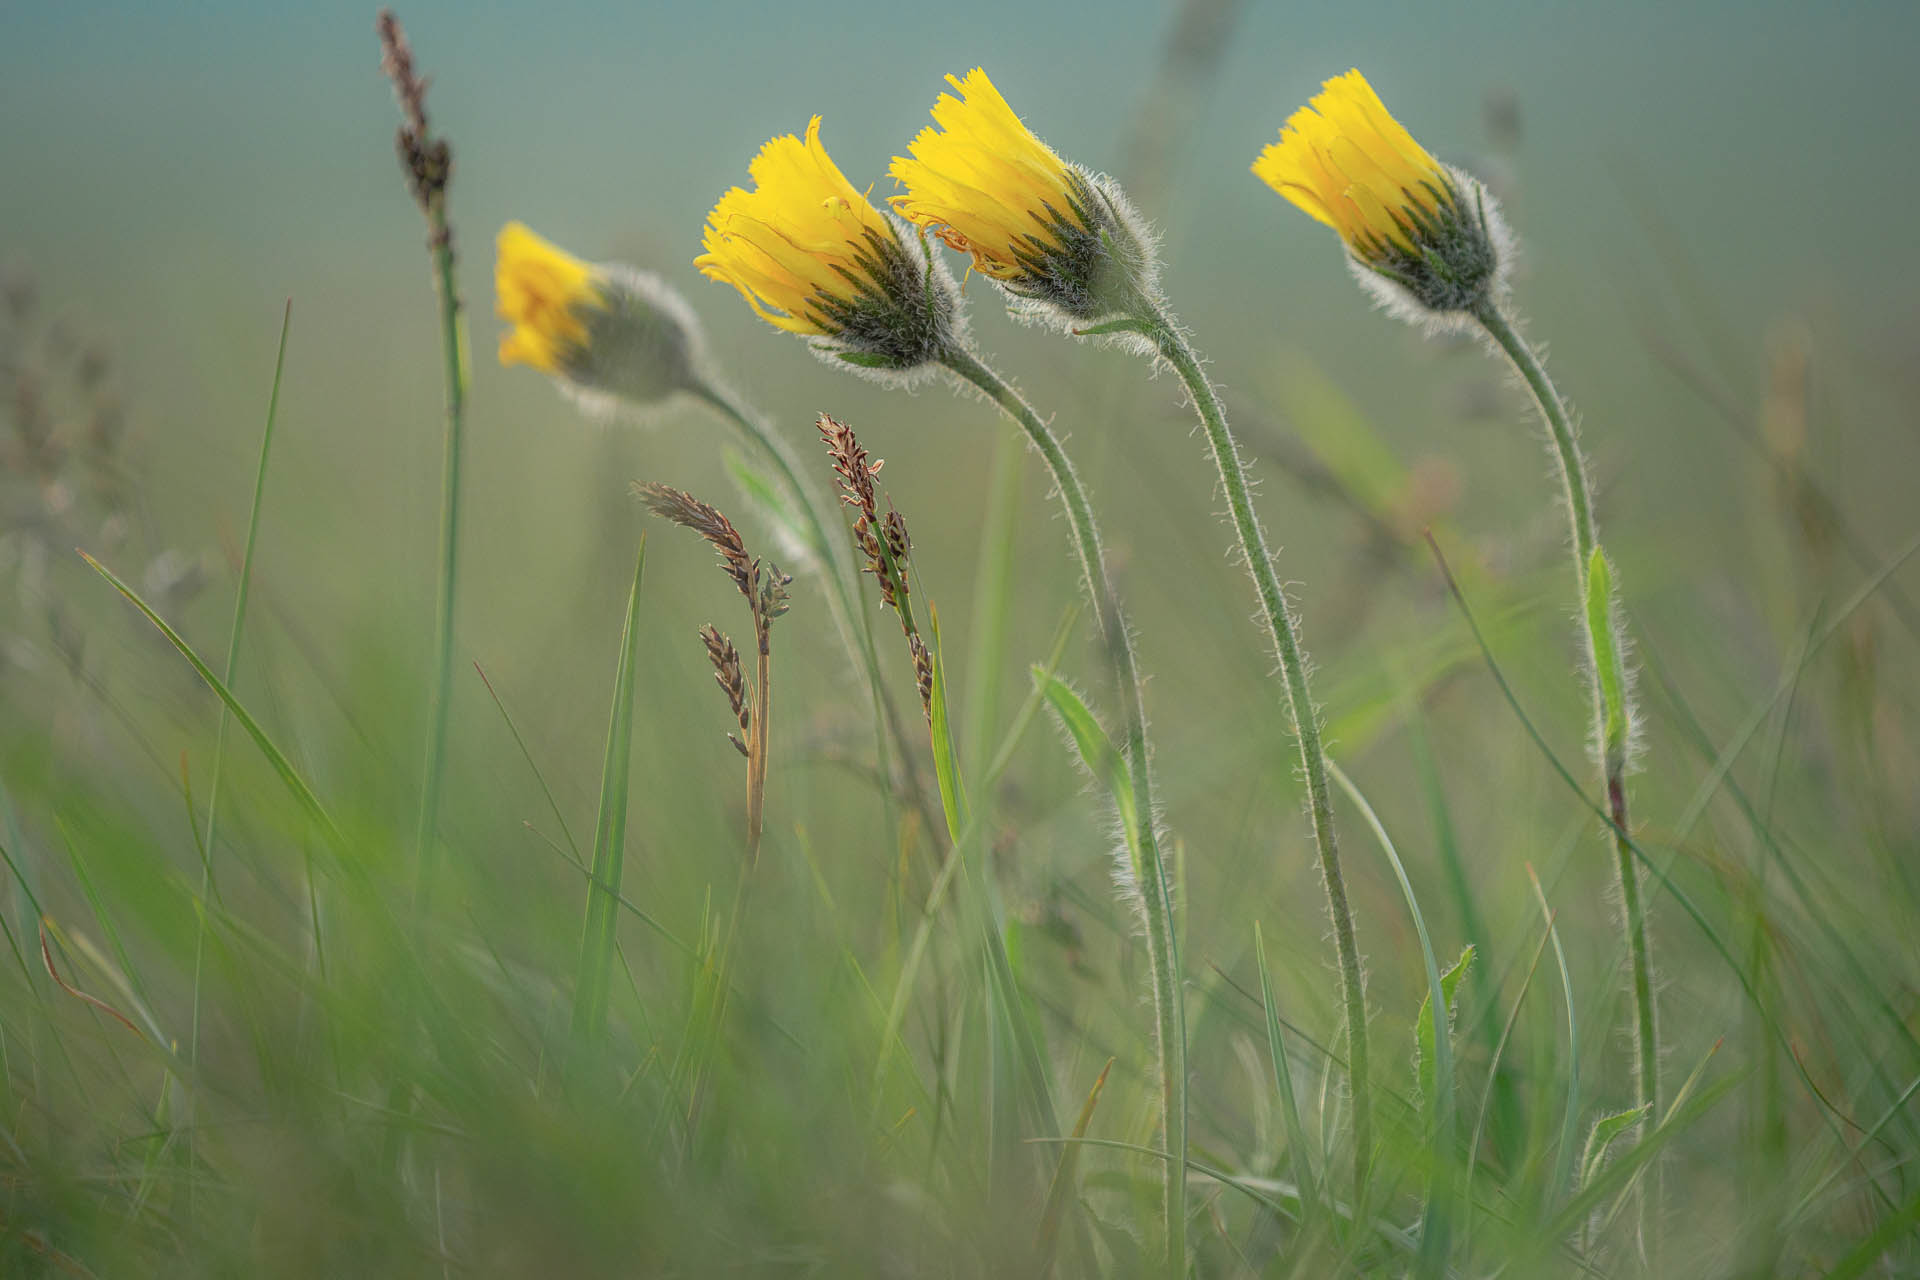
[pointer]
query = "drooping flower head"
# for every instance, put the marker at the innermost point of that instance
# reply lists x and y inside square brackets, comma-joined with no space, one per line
[1408,220]
[812,255]
[604,330]
[1051,233]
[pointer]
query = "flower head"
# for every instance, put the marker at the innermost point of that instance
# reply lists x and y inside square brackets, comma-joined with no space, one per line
[1409,220]
[812,255]
[1048,231]
[606,331]
[547,294]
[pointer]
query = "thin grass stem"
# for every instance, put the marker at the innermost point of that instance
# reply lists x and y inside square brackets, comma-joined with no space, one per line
[207,886]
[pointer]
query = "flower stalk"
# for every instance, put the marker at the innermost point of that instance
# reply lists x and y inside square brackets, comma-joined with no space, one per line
[1428,243]
[1068,250]
[427,162]
[1163,948]
[812,255]
[764,587]
[1283,633]
[1612,720]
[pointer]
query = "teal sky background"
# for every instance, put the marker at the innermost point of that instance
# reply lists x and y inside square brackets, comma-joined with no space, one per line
[172,172]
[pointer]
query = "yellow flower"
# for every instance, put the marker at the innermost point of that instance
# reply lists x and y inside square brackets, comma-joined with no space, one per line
[811,255]
[982,182]
[790,245]
[1062,241]
[1429,239]
[1348,163]
[546,293]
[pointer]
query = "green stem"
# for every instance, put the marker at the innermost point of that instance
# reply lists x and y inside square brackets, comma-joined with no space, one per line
[1283,630]
[453,351]
[1573,476]
[836,566]
[1156,896]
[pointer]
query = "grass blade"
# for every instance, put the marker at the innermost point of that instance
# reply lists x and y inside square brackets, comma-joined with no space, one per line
[1570,1118]
[1298,1151]
[595,971]
[1435,1237]
[294,782]
[1063,1177]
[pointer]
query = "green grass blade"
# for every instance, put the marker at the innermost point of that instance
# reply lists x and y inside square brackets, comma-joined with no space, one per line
[241,589]
[1611,1180]
[231,670]
[1487,1093]
[923,932]
[1062,1187]
[1892,1229]
[1299,1153]
[594,974]
[288,775]
[1436,1236]
[1570,1116]
[553,806]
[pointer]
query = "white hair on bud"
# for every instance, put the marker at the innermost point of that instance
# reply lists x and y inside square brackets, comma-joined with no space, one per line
[1402,303]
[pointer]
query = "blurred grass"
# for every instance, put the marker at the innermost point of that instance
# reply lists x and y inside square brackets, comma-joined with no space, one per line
[862,1115]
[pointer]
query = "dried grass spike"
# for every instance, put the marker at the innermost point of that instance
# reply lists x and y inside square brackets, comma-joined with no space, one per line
[689,512]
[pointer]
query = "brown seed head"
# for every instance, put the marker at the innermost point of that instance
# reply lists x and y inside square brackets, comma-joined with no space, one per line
[427,161]
[728,675]
[851,465]
[689,512]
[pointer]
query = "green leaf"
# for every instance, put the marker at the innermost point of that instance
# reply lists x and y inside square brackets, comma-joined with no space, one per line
[594,975]
[1423,1055]
[1097,752]
[946,769]
[1608,667]
[1605,1130]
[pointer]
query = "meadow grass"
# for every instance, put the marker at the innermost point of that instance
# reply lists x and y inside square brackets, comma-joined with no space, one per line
[236,1038]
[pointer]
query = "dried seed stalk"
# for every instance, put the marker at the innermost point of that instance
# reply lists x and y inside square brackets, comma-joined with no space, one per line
[883,540]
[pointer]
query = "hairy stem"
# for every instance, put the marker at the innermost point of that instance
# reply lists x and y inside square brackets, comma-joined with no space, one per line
[1156,895]
[1283,630]
[1573,476]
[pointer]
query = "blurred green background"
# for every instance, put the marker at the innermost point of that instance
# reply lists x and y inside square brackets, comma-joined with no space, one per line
[1714,203]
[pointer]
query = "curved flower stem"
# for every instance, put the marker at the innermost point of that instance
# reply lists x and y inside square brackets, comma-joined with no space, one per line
[1163,953]
[1573,475]
[1283,630]
[836,566]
